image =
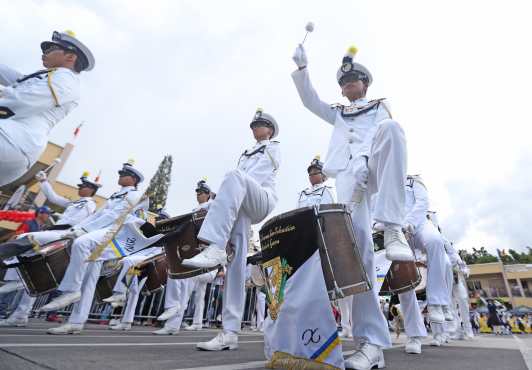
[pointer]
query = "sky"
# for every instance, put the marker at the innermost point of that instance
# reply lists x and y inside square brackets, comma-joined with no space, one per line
[185,78]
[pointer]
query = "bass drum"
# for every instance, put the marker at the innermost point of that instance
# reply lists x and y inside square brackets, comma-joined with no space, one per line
[181,242]
[42,272]
[401,277]
[155,270]
[294,236]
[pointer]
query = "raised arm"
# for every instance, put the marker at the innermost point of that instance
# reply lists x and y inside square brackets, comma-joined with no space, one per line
[306,91]
[52,196]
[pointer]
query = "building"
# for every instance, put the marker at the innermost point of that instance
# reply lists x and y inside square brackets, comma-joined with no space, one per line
[30,187]
[487,280]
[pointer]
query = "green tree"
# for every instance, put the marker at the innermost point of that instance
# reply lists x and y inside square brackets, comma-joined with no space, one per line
[159,184]
[480,255]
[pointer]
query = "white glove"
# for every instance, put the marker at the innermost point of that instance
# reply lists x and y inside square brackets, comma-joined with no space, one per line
[361,174]
[41,176]
[300,57]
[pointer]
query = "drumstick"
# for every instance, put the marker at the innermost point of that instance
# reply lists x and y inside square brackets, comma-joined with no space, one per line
[309,28]
[52,165]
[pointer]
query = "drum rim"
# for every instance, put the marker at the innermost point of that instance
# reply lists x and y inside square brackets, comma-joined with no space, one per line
[326,207]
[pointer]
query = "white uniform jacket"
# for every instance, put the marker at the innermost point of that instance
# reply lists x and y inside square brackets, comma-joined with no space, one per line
[261,164]
[315,195]
[113,209]
[353,130]
[416,202]
[75,211]
[31,106]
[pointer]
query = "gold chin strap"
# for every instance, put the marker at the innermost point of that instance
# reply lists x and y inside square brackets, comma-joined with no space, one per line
[54,95]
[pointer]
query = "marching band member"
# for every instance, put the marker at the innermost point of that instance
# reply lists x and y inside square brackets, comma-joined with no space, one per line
[30,106]
[427,238]
[129,295]
[247,195]
[367,155]
[80,278]
[318,193]
[178,291]
[74,213]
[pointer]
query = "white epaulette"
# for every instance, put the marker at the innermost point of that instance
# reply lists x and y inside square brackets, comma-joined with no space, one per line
[337,106]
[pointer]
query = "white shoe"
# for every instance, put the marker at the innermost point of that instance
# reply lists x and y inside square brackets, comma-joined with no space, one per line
[11,286]
[448,315]
[114,322]
[168,313]
[223,341]
[368,356]
[436,313]
[166,331]
[397,248]
[15,322]
[194,327]
[211,256]
[469,336]
[413,345]
[121,326]
[62,301]
[120,297]
[66,329]
[118,304]
[437,341]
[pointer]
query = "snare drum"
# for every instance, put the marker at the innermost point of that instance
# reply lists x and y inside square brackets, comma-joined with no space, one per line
[402,276]
[155,269]
[181,242]
[107,280]
[297,234]
[42,272]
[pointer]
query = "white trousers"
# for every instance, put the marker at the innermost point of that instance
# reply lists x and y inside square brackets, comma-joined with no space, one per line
[130,261]
[81,309]
[260,307]
[24,307]
[199,302]
[413,319]
[240,202]
[428,239]
[345,305]
[387,176]
[13,163]
[461,300]
[81,250]
[178,291]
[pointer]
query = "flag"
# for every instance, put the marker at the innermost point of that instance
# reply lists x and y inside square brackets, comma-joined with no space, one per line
[300,331]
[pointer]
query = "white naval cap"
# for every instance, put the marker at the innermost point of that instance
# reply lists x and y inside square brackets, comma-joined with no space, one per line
[202,187]
[67,40]
[316,163]
[129,170]
[266,118]
[350,68]
[86,182]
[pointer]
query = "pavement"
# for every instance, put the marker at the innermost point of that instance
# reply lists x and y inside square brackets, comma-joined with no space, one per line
[30,348]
